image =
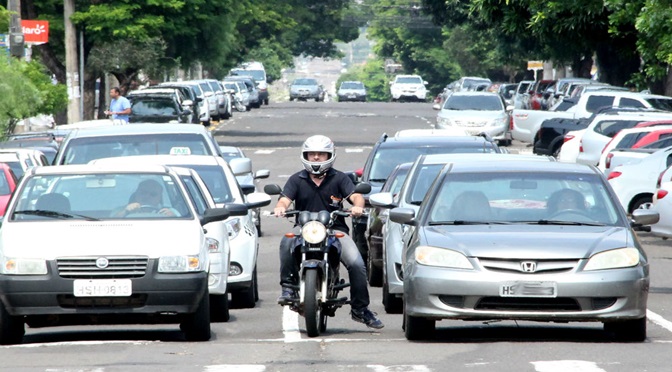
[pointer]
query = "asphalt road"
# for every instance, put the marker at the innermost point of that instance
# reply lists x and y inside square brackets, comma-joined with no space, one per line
[269,338]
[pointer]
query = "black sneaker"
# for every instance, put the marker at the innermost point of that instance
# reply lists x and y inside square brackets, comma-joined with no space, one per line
[367,317]
[287,296]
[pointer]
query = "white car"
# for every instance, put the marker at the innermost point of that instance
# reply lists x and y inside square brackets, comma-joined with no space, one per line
[635,184]
[605,126]
[624,139]
[662,203]
[476,112]
[91,264]
[243,237]
[408,87]
[569,150]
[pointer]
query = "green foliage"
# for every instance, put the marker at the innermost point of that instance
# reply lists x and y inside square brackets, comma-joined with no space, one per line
[26,91]
[4,20]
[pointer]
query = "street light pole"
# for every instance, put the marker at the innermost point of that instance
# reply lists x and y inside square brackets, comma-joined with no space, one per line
[16,43]
[71,72]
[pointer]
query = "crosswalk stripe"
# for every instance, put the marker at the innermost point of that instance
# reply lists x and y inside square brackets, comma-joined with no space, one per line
[566,366]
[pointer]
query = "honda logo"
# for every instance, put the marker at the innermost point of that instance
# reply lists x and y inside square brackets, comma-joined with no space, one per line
[102,263]
[528,266]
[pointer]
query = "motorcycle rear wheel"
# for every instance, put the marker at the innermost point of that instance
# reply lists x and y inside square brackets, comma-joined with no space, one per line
[311,306]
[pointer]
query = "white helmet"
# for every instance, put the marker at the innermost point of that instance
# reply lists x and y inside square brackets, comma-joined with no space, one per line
[318,144]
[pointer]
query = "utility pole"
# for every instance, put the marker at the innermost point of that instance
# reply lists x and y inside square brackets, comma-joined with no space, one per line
[71,72]
[16,43]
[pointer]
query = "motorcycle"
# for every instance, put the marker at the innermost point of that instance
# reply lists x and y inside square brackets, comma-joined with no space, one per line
[316,250]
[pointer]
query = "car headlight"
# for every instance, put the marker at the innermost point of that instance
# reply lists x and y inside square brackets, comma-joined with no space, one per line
[180,264]
[441,257]
[614,259]
[213,245]
[24,266]
[443,121]
[313,232]
[233,226]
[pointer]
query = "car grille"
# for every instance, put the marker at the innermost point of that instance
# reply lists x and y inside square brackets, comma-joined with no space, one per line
[117,267]
[528,266]
[469,123]
[70,301]
[528,304]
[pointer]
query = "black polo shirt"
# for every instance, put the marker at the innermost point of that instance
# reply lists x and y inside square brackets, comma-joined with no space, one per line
[307,196]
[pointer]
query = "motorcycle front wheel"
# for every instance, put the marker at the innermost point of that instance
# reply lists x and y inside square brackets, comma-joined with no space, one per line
[311,306]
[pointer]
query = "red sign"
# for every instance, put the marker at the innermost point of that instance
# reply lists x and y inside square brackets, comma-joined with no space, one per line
[35,32]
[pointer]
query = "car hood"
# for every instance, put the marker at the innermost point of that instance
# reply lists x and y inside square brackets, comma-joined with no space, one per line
[85,238]
[153,118]
[528,241]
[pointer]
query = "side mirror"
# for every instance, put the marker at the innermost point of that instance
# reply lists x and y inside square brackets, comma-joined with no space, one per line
[642,217]
[248,189]
[262,173]
[424,82]
[241,166]
[436,106]
[237,209]
[362,188]
[405,216]
[257,200]
[382,199]
[214,214]
[272,189]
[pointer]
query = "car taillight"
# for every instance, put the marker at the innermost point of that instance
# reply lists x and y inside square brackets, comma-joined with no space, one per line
[613,175]
[581,145]
[568,137]
[661,194]
[607,163]
[510,122]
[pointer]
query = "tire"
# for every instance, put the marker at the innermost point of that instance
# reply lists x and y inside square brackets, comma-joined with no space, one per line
[418,328]
[256,285]
[311,306]
[245,299]
[219,308]
[12,328]
[196,326]
[266,102]
[392,303]
[640,201]
[374,275]
[633,330]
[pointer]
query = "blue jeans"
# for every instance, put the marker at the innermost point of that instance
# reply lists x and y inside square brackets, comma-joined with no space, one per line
[350,257]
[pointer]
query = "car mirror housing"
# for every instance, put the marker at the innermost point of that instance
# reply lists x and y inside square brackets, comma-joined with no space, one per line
[214,214]
[405,216]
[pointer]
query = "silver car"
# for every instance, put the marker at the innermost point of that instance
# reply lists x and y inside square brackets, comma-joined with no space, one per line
[351,91]
[503,240]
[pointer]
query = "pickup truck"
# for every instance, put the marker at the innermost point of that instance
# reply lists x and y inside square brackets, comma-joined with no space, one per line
[551,135]
[526,123]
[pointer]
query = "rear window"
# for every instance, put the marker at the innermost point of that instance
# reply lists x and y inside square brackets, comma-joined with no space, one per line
[660,103]
[595,103]
[609,128]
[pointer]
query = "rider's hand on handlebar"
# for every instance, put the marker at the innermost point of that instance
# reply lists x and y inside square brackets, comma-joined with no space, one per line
[356,211]
[279,211]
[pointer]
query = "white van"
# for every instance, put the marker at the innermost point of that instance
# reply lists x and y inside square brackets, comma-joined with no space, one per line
[116,244]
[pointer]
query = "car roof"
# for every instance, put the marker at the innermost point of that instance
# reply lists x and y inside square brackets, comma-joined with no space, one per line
[473,93]
[452,131]
[529,166]
[448,158]
[94,169]
[139,128]
[415,141]
[627,94]
[152,90]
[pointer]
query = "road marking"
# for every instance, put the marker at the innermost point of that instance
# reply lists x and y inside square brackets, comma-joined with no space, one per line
[566,366]
[354,150]
[657,319]
[264,152]
[235,368]
[290,325]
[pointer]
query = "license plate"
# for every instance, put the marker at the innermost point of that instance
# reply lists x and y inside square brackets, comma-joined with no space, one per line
[528,289]
[102,288]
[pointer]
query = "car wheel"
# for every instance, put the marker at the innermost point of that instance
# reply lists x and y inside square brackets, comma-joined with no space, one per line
[219,308]
[12,328]
[196,326]
[258,225]
[245,299]
[266,102]
[256,285]
[374,274]
[633,330]
[641,202]
[418,328]
[392,303]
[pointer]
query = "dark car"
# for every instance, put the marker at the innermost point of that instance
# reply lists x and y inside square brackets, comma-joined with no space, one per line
[403,147]
[189,93]
[255,96]
[151,108]
[377,218]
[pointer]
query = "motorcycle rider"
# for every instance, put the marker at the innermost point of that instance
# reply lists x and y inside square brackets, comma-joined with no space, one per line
[320,187]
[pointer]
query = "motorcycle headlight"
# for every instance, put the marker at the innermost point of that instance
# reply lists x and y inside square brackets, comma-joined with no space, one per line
[180,264]
[614,259]
[24,266]
[233,226]
[313,232]
[441,257]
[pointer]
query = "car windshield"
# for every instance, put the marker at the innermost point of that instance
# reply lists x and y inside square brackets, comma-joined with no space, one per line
[523,197]
[408,80]
[215,180]
[386,159]
[305,82]
[83,150]
[153,107]
[477,103]
[258,75]
[352,85]
[101,196]
[232,86]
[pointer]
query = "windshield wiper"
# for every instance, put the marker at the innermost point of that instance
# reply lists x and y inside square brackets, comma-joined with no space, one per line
[560,222]
[465,222]
[54,214]
[377,180]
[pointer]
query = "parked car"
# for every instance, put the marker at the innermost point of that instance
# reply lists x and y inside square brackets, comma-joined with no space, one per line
[477,112]
[201,101]
[165,282]
[8,183]
[408,87]
[471,83]
[257,71]
[240,92]
[253,92]
[472,249]
[351,91]
[159,106]
[190,101]
[521,96]
[539,92]
[306,88]
[631,138]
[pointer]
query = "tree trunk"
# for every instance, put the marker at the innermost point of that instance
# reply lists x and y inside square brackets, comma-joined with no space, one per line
[668,83]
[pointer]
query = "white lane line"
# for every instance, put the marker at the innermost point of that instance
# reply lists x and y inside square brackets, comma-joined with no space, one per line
[290,325]
[78,343]
[398,368]
[657,319]
[354,150]
[264,152]
[566,366]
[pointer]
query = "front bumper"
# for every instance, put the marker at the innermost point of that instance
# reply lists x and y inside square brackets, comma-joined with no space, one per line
[441,293]
[152,293]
